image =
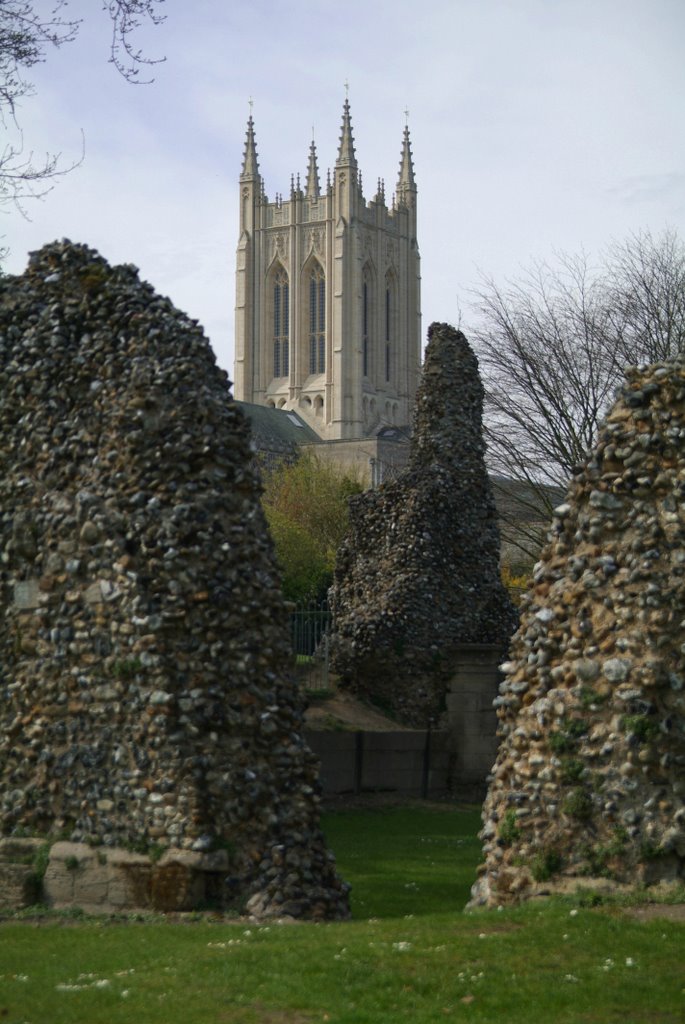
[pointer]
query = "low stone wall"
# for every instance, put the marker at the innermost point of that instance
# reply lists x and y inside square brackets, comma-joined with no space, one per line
[110,880]
[410,763]
[101,880]
[19,872]
[472,719]
[418,762]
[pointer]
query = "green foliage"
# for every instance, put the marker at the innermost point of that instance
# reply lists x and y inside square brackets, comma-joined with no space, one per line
[640,726]
[306,571]
[508,831]
[306,506]
[516,579]
[650,851]
[34,882]
[578,804]
[599,855]
[126,668]
[71,863]
[571,770]
[590,698]
[565,739]
[545,865]
[40,861]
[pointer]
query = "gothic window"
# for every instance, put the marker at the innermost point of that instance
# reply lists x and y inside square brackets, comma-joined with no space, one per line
[389,325]
[281,324]
[367,345]
[317,320]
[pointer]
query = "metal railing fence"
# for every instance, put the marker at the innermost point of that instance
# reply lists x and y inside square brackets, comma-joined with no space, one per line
[309,632]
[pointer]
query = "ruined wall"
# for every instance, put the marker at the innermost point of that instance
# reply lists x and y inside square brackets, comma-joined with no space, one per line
[418,573]
[589,782]
[143,636]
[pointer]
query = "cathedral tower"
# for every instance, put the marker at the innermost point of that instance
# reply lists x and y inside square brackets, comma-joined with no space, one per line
[328,295]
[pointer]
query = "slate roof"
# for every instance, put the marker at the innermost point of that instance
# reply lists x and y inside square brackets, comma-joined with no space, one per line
[277,431]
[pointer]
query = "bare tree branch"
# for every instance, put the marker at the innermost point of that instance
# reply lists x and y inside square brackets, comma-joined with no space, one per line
[552,347]
[27,34]
[127,16]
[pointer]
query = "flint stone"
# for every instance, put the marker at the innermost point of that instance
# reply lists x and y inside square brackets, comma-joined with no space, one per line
[142,501]
[614,755]
[417,576]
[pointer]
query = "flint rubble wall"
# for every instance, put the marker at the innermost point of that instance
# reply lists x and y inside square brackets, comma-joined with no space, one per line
[143,634]
[589,782]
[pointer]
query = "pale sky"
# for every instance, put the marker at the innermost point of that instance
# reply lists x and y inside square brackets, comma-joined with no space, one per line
[536,126]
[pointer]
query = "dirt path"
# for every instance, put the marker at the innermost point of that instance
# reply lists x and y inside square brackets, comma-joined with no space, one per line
[342,711]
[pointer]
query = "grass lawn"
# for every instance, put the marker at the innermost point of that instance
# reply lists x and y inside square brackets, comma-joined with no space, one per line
[409,954]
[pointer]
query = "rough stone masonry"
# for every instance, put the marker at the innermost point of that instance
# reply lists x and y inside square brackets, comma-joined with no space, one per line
[418,573]
[144,695]
[589,783]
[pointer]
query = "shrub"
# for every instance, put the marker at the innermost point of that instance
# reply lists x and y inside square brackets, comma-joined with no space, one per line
[546,864]
[306,506]
[578,804]
[566,738]
[508,831]
[571,769]
[640,726]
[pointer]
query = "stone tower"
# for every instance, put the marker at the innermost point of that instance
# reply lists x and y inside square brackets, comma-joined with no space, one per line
[328,295]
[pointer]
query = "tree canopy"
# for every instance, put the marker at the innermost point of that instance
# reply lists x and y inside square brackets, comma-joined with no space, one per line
[306,505]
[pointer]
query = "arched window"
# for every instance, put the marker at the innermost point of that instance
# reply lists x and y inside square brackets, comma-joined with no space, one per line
[281,324]
[317,320]
[367,320]
[389,324]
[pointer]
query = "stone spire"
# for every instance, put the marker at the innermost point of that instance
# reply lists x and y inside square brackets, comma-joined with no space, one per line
[406,182]
[250,162]
[346,154]
[313,188]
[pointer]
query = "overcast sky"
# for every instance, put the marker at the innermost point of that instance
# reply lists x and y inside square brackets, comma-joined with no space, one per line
[536,125]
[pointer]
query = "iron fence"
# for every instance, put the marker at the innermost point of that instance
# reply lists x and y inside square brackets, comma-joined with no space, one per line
[309,632]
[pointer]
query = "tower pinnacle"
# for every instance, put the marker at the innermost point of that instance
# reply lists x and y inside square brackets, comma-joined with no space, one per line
[346,154]
[250,163]
[406,181]
[313,189]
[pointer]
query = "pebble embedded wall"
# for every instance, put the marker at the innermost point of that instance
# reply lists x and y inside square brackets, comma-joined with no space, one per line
[143,637]
[417,576]
[589,782]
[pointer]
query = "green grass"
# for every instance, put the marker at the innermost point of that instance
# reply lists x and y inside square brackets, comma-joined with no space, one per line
[409,954]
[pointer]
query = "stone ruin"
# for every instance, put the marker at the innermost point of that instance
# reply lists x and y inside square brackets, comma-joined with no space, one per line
[147,718]
[589,783]
[417,576]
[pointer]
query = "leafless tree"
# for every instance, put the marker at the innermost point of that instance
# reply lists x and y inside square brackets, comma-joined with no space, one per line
[646,288]
[552,346]
[27,34]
